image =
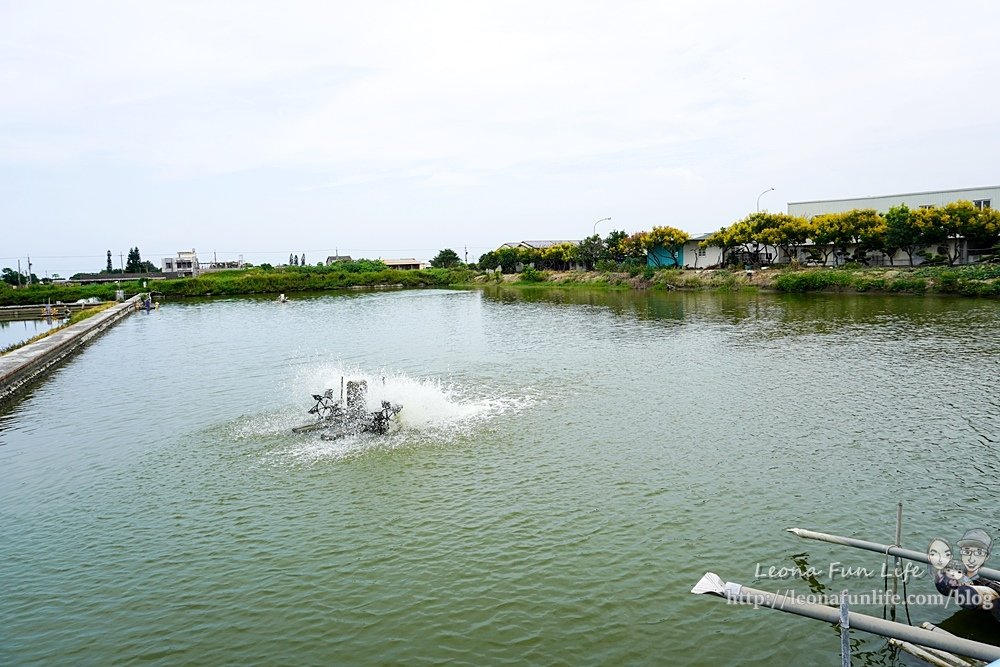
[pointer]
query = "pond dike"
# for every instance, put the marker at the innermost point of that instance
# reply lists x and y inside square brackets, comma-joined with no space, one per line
[20,367]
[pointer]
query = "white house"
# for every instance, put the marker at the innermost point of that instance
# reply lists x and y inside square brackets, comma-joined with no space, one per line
[185,264]
[695,257]
[405,264]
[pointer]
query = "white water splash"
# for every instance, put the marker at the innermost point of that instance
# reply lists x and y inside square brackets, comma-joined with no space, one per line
[434,411]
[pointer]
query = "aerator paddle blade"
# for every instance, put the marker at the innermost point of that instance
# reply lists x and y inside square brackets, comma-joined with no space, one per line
[710,583]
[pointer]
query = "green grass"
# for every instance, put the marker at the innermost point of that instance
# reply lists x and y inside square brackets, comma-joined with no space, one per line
[251,281]
[813,280]
[978,280]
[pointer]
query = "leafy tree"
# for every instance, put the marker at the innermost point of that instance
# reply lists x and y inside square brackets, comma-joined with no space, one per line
[670,239]
[529,256]
[782,231]
[15,278]
[902,231]
[831,233]
[558,257]
[110,267]
[764,234]
[873,237]
[950,226]
[291,259]
[445,259]
[134,262]
[613,245]
[990,221]
[722,239]
[508,259]
[866,228]
[489,260]
[753,235]
[10,276]
[591,250]
[634,245]
[968,226]
[295,260]
[360,266]
[302,259]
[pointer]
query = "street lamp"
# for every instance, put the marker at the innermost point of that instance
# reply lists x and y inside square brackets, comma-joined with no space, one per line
[761,195]
[598,222]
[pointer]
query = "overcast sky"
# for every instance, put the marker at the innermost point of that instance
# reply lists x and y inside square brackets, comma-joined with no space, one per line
[395,129]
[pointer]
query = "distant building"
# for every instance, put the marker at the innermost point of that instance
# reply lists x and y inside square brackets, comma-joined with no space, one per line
[338,258]
[208,267]
[693,256]
[983,197]
[542,245]
[408,263]
[537,245]
[185,264]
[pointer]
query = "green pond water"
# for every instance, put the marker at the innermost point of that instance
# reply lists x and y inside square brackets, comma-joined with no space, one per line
[18,331]
[568,465]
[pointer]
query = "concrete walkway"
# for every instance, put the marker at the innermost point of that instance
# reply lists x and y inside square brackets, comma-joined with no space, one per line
[19,367]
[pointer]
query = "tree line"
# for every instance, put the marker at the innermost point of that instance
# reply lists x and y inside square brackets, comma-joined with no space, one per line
[853,235]
[662,245]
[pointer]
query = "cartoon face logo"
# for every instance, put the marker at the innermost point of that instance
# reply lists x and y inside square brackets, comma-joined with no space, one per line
[938,553]
[975,548]
[954,572]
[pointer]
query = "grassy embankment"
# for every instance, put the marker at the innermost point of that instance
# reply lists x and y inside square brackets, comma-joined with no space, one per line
[978,280]
[304,279]
[78,316]
[252,281]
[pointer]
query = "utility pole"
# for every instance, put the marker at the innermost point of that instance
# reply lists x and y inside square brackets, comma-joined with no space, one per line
[466,254]
[121,261]
[29,270]
[19,272]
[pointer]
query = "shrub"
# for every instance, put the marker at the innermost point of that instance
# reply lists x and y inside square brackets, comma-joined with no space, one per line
[948,281]
[811,281]
[908,284]
[532,275]
[870,284]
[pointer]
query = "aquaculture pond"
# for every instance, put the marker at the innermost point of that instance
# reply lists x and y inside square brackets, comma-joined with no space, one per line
[13,332]
[567,465]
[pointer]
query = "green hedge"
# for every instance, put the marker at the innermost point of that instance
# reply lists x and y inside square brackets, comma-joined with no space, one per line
[303,279]
[811,281]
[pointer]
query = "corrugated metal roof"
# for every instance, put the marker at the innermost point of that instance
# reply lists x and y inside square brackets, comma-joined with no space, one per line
[903,194]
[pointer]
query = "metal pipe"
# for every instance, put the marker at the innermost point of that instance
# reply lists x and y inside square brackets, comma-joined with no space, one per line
[895,563]
[909,554]
[924,654]
[845,631]
[877,626]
